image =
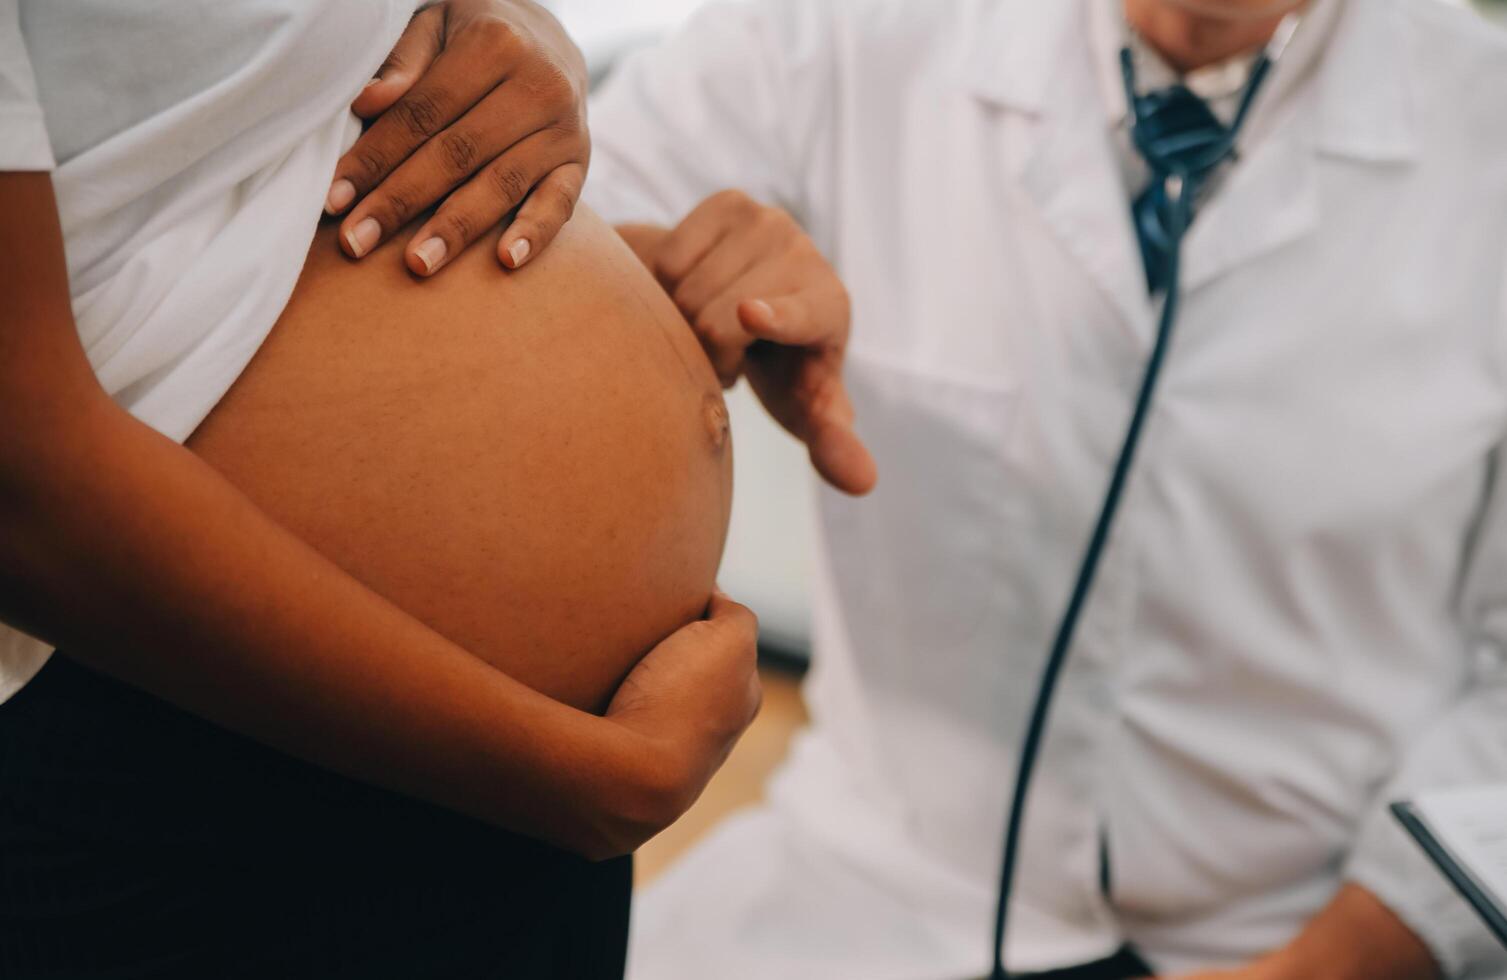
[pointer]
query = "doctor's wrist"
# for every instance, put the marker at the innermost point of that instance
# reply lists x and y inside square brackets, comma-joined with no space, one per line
[1356,937]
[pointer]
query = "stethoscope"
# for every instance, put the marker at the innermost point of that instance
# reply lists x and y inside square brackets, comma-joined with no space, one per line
[1181,166]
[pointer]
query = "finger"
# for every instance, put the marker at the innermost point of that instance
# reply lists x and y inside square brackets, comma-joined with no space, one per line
[732,257]
[813,317]
[835,449]
[478,205]
[548,207]
[731,615]
[506,126]
[806,395]
[755,693]
[841,458]
[413,54]
[450,88]
[702,229]
[720,328]
[740,625]
[723,340]
[410,58]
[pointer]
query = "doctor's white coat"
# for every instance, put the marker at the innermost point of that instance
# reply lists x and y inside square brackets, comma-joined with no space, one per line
[1303,611]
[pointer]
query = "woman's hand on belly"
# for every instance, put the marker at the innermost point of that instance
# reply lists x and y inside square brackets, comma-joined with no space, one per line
[482,98]
[694,695]
[686,704]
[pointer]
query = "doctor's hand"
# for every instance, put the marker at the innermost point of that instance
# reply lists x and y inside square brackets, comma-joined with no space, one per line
[1355,937]
[764,303]
[481,105]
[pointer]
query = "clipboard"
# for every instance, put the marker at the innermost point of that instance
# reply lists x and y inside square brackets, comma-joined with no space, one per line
[1488,905]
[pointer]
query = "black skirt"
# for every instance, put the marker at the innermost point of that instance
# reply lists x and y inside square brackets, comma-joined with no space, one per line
[139,841]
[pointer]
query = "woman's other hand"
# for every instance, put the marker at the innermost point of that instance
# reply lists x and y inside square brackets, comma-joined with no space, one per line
[765,303]
[481,105]
[684,705]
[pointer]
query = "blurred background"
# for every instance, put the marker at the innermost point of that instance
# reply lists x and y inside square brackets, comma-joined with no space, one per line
[768,559]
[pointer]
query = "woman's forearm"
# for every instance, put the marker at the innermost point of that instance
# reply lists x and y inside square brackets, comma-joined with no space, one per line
[123,548]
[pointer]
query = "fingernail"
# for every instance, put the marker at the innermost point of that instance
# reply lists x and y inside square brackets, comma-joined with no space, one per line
[431,252]
[362,237]
[342,193]
[519,251]
[765,310]
[374,81]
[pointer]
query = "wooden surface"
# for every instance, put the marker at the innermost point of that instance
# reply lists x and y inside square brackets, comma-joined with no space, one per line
[741,780]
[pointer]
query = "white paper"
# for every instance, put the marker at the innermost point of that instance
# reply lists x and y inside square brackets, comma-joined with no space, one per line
[1471,824]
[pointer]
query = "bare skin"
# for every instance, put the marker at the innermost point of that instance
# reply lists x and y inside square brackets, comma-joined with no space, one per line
[764,302]
[535,464]
[145,561]
[487,119]
[1354,937]
[1193,33]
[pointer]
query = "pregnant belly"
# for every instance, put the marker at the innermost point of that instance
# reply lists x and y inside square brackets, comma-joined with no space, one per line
[535,464]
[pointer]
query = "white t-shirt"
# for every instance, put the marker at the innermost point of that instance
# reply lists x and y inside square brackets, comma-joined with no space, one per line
[191,144]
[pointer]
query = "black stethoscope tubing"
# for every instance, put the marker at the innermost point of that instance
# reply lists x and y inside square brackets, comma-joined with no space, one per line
[1181,190]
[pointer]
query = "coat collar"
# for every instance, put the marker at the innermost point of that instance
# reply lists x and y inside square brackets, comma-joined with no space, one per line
[1012,53]
[1033,57]
[1366,107]
[1366,96]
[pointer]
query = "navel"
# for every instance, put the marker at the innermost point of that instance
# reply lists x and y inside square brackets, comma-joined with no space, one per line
[714,414]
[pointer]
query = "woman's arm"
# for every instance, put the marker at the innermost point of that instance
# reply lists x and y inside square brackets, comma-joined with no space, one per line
[127,550]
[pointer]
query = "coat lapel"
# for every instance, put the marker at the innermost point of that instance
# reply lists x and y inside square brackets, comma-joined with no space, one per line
[1032,60]
[1032,57]
[1075,179]
[1357,108]
[1266,202]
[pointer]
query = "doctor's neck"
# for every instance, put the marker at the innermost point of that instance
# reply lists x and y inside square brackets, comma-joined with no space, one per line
[1190,34]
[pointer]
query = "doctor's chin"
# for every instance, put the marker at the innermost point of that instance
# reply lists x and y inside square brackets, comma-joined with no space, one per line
[753,490]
